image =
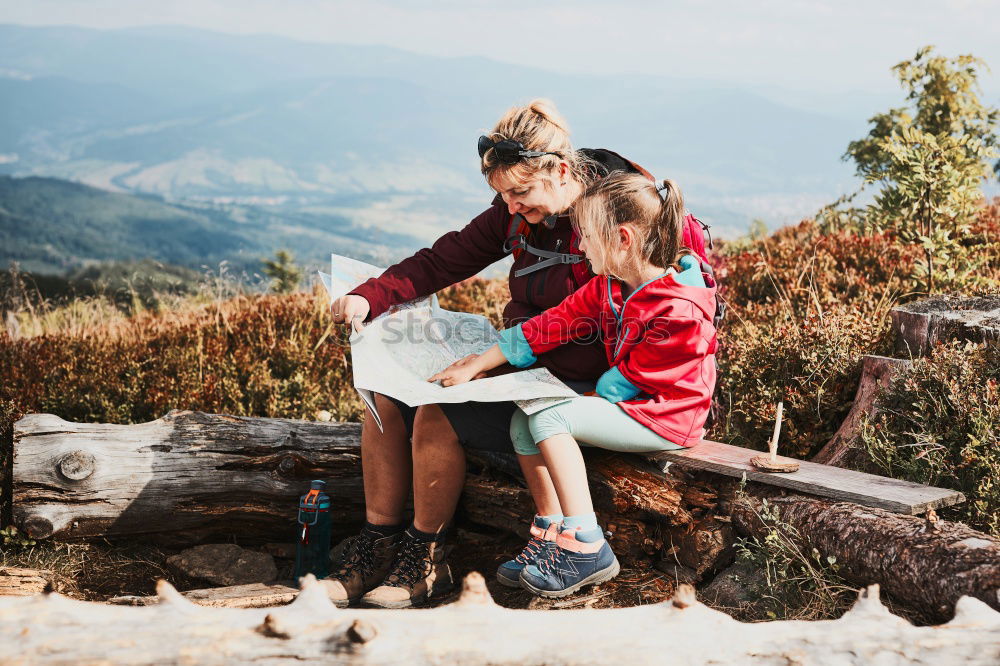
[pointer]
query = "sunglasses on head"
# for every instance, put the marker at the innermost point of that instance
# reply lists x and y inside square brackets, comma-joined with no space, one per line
[507,151]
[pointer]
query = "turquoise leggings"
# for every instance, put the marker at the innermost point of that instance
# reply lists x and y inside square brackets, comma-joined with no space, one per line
[592,421]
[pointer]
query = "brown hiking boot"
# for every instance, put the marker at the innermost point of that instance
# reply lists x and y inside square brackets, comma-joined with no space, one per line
[366,561]
[420,572]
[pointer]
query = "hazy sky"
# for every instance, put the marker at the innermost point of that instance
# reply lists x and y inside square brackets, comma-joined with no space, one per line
[841,46]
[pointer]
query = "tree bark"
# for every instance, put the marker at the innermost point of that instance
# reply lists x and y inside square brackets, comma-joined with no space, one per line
[19,582]
[53,629]
[842,450]
[922,324]
[927,564]
[188,477]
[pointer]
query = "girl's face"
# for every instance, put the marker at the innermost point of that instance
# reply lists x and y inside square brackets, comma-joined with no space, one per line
[604,256]
[536,199]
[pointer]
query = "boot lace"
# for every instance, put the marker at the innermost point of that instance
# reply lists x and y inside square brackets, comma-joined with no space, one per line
[536,549]
[553,558]
[359,556]
[412,563]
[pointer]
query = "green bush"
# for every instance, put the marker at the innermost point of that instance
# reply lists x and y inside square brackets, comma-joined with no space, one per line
[939,424]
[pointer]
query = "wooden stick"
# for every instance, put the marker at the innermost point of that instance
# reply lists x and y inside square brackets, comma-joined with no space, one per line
[773,445]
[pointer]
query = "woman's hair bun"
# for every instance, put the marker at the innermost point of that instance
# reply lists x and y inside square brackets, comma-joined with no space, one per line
[546,108]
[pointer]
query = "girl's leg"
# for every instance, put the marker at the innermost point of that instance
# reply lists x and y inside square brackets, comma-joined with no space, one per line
[583,557]
[568,472]
[593,421]
[536,474]
[545,525]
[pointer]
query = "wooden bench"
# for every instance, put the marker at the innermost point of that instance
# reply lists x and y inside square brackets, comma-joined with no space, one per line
[814,479]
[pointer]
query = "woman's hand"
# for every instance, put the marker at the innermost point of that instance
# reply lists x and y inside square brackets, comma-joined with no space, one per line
[350,308]
[461,371]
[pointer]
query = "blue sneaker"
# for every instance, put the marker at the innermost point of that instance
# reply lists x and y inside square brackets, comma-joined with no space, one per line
[574,563]
[543,540]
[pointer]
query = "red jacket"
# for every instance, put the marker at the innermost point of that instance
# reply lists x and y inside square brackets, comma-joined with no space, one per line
[659,342]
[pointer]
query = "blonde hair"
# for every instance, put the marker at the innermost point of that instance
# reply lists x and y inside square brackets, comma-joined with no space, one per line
[632,198]
[537,126]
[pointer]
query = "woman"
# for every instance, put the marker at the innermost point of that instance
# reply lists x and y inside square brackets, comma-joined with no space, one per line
[529,160]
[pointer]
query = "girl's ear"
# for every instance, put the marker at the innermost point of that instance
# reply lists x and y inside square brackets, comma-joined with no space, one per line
[625,236]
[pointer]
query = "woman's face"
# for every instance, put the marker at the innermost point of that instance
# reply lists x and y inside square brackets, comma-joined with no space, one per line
[536,199]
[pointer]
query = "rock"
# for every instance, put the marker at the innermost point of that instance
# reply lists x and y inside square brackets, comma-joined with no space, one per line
[735,587]
[282,551]
[224,564]
[678,572]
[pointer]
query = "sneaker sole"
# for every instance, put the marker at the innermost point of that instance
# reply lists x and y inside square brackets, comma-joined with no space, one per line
[408,603]
[602,576]
[345,603]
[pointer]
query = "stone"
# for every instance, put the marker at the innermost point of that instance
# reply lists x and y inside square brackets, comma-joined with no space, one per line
[224,564]
[734,587]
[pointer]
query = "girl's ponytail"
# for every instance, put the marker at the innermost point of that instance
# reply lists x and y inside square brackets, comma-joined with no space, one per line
[669,227]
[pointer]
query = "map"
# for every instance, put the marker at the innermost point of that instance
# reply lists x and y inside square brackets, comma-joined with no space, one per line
[396,352]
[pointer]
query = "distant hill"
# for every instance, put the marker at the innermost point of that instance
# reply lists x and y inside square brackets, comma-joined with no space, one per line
[362,130]
[55,226]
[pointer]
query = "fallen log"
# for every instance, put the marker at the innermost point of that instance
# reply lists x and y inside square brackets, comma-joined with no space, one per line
[924,563]
[922,324]
[54,629]
[188,477]
[21,582]
[842,450]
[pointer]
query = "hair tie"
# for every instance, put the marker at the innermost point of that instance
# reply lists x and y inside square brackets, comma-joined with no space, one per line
[661,189]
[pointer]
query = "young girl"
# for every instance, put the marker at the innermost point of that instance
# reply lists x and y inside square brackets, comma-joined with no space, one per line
[652,308]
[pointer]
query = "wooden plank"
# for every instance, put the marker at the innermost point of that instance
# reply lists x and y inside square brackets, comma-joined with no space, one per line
[815,479]
[254,595]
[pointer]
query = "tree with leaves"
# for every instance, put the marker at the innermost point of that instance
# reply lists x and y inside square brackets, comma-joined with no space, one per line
[929,160]
[285,275]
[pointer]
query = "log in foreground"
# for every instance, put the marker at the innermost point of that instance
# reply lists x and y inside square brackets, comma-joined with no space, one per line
[54,629]
[927,564]
[191,476]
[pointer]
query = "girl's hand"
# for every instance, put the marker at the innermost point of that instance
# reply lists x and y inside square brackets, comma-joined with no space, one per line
[352,309]
[460,372]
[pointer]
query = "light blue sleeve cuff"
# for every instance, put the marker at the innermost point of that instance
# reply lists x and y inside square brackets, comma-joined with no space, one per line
[613,387]
[691,275]
[515,347]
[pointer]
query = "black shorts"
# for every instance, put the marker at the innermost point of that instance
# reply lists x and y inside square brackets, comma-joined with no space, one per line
[484,426]
[479,425]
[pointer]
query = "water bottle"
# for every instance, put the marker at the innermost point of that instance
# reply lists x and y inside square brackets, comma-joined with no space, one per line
[312,552]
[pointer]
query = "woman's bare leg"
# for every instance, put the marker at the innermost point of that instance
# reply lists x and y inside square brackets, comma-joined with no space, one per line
[386,465]
[438,470]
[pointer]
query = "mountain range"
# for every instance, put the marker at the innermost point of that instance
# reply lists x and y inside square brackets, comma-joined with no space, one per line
[374,138]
